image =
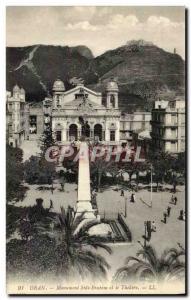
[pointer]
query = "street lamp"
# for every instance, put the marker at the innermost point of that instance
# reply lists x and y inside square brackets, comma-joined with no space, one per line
[151,185]
[125,207]
[145,238]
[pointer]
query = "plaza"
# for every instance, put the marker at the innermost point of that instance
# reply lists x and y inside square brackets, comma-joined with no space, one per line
[111,203]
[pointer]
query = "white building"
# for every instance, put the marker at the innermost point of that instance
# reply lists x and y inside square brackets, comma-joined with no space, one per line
[76,113]
[168,125]
[81,112]
[137,122]
[16,110]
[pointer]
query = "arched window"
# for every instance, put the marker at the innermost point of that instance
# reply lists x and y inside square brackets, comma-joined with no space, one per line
[112,100]
[73,132]
[98,132]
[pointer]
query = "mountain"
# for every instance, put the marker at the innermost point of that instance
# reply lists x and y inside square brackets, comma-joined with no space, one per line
[143,71]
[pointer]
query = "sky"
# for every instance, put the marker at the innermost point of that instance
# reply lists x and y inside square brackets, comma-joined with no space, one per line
[99,28]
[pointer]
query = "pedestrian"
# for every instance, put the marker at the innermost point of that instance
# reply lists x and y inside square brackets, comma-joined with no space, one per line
[168,211]
[51,204]
[165,215]
[172,199]
[149,230]
[122,193]
[175,200]
[132,198]
[181,216]
[52,189]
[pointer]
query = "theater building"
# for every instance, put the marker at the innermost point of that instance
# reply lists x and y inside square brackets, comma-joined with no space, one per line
[78,113]
[81,112]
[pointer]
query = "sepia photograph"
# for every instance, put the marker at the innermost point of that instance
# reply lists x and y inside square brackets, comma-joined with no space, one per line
[96,150]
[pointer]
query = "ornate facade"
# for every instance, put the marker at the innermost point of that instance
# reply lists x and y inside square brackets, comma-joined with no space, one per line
[81,112]
[74,114]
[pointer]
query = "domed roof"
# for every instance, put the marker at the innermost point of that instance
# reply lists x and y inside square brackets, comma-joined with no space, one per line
[16,88]
[58,85]
[22,91]
[112,85]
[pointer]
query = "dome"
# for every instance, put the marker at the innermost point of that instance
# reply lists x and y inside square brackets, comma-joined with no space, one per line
[22,91]
[16,89]
[112,86]
[58,86]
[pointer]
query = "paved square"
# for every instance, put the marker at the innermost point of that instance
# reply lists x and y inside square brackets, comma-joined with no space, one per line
[110,201]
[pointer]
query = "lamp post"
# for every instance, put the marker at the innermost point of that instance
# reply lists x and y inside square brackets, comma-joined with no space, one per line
[125,214]
[151,185]
[145,239]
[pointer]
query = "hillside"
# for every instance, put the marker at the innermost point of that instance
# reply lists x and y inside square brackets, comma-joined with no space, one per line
[142,70]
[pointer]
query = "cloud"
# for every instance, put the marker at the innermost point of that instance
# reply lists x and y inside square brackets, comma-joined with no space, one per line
[85,25]
[120,21]
[154,21]
[100,28]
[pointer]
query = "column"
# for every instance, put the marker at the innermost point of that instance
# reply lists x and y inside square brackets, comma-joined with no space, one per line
[84,195]
[64,135]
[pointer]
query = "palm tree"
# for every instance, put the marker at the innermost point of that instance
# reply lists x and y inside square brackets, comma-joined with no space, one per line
[75,248]
[168,267]
[98,168]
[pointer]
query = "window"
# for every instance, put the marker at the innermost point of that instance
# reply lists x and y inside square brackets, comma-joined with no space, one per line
[58,136]
[58,100]
[112,135]
[112,100]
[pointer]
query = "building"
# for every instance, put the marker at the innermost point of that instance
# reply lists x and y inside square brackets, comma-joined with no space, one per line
[81,112]
[74,114]
[168,125]
[134,123]
[17,116]
[36,120]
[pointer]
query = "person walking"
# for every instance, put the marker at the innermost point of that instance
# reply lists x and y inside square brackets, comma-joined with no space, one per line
[51,204]
[175,200]
[172,199]
[181,216]
[165,216]
[168,211]
[122,193]
[149,231]
[132,198]
[52,189]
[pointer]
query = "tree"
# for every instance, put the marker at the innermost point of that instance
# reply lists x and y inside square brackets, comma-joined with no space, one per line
[114,170]
[168,267]
[176,170]
[130,168]
[39,171]
[46,140]
[62,246]
[98,168]
[72,237]
[14,174]
[160,162]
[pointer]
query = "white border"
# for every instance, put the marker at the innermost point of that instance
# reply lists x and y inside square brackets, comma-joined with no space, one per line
[3,4]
